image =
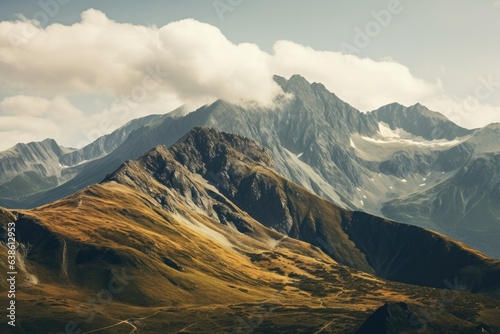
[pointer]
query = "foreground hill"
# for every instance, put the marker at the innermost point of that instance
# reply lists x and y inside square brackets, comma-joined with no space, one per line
[203,238]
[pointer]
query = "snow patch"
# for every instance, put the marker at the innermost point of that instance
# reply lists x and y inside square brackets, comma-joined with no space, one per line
[386,135]
[352,143]
[385,131]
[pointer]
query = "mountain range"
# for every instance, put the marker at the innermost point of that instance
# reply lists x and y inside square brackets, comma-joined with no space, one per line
[407,164]
[205,236]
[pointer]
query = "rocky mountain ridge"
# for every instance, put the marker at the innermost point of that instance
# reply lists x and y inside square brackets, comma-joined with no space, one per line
[208,230]
[405,163]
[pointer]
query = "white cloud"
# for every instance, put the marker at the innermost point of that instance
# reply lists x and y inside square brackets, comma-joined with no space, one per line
[193,59]
[23,105]
[96,54]
[468,112]
[147,69]
[31,118]
[365,83]
[201,61]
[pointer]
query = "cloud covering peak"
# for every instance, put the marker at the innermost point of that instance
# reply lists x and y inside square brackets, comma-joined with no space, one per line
[112,67]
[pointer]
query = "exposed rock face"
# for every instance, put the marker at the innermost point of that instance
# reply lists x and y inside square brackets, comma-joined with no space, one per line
[405,163]
[242,173]
[29,168]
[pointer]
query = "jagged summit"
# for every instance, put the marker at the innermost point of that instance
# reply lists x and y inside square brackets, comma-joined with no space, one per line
[420,121]
[204,147]
[301,88]
[46,144]
[388,162]
[210,144]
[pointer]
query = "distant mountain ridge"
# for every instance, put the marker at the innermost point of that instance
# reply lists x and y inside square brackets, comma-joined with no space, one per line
[28,169]
[405,163]
[32,167]
[419,121]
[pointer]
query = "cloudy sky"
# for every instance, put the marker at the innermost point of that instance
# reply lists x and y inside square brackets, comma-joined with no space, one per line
[73,70]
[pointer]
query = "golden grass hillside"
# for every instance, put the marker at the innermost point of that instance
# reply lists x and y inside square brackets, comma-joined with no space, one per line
[167,245]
